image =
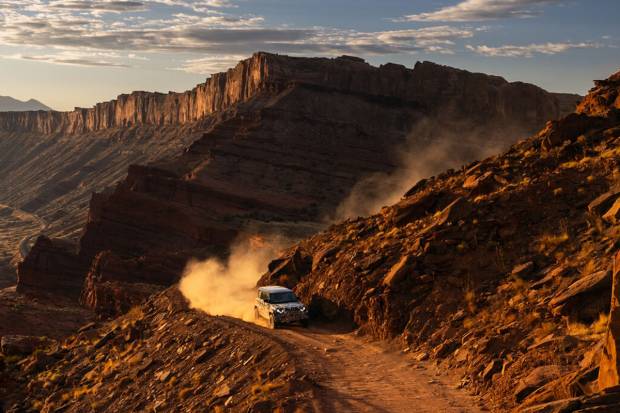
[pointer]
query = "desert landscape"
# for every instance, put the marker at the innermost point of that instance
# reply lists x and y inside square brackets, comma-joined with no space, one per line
[312,228]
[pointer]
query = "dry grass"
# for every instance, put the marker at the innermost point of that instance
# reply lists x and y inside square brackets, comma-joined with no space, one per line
[613,153]
[548,243]
[470,300]
[593,330]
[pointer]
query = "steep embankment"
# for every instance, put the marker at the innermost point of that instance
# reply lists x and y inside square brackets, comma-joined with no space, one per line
[299,134]
[501,269]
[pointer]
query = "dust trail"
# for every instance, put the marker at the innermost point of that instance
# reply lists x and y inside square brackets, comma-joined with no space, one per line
[229,288]
[432,147]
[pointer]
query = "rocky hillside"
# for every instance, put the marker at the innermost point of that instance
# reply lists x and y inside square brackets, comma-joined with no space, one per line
[47,180]
[288,139]
[160,357]
[501,269]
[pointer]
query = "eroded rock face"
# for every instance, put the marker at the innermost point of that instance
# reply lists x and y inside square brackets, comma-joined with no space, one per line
[287,139]
[430,84]
[113,285]
[51,267]
[609,369]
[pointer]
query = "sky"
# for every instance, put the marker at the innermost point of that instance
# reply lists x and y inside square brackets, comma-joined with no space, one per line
[75,53]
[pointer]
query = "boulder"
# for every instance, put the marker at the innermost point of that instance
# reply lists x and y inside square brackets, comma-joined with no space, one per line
[574,295]
[524,270]
[459,209]
[602,203]
[482,184]
[494,366]
[288,270]
[399,271]
[609,367]
[414,207]
[536,379]
[613,214]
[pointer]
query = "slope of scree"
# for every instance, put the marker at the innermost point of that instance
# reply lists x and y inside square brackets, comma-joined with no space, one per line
[297,135]
[501,270]
[159,357]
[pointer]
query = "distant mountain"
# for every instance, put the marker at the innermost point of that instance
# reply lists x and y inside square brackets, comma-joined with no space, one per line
[9,104]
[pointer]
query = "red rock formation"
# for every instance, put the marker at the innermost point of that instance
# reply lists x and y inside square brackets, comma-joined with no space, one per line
[609,369]
[114,285]
[51,267]
[457,91]
[603,99]
[295,136]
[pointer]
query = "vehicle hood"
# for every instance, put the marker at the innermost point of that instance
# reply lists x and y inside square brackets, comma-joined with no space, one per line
[288,306]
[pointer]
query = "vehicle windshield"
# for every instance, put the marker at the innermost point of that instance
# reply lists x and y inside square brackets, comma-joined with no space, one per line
[284,297]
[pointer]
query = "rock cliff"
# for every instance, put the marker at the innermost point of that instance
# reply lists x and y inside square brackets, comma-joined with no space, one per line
[437,87]
[279,143]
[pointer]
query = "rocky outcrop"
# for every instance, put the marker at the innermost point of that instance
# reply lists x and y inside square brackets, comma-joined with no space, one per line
[609,370]
[498,269]
[456,92]
[114,285]
[51,267]
[604,99]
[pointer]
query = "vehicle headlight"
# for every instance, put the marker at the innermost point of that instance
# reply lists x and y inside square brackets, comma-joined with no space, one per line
[279,310]
[303,308]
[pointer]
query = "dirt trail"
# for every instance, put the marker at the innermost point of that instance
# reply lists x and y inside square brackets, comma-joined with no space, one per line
[355,375]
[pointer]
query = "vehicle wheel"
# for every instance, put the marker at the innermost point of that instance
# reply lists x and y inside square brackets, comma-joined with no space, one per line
[272,322]
[256,314]
[304,323]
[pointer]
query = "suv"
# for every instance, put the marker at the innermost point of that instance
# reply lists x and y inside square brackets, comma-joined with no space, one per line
[279,305]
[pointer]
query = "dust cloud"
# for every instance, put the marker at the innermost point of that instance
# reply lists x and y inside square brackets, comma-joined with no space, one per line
[430,148]
[229,287]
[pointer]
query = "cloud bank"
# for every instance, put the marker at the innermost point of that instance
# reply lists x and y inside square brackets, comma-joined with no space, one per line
[480,10]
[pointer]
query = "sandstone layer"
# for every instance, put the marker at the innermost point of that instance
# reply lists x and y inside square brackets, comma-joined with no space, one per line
[288,139]
[273,145]
[427,83]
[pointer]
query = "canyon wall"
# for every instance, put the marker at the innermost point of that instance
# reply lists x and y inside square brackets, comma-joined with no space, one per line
[428,84]
[288,140]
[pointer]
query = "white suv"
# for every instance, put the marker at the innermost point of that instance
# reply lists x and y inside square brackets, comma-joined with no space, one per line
[279,305]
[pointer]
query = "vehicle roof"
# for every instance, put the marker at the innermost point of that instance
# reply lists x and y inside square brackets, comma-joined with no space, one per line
[274,289]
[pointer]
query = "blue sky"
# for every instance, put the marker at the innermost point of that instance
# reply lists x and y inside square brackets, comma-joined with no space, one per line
[78,52]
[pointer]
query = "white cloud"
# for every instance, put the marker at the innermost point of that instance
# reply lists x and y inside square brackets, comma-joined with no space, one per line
[73,58]
[479,10]
[529,50]
[211,64]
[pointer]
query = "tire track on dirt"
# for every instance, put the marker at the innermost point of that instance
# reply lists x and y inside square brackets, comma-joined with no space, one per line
[355,375]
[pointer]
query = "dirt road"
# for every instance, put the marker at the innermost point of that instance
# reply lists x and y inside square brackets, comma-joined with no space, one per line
[356,375]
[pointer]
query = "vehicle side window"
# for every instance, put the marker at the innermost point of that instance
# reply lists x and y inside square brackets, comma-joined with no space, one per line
[264,296]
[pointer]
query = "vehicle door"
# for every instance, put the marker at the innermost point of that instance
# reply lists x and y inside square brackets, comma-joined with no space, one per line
[263,304]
